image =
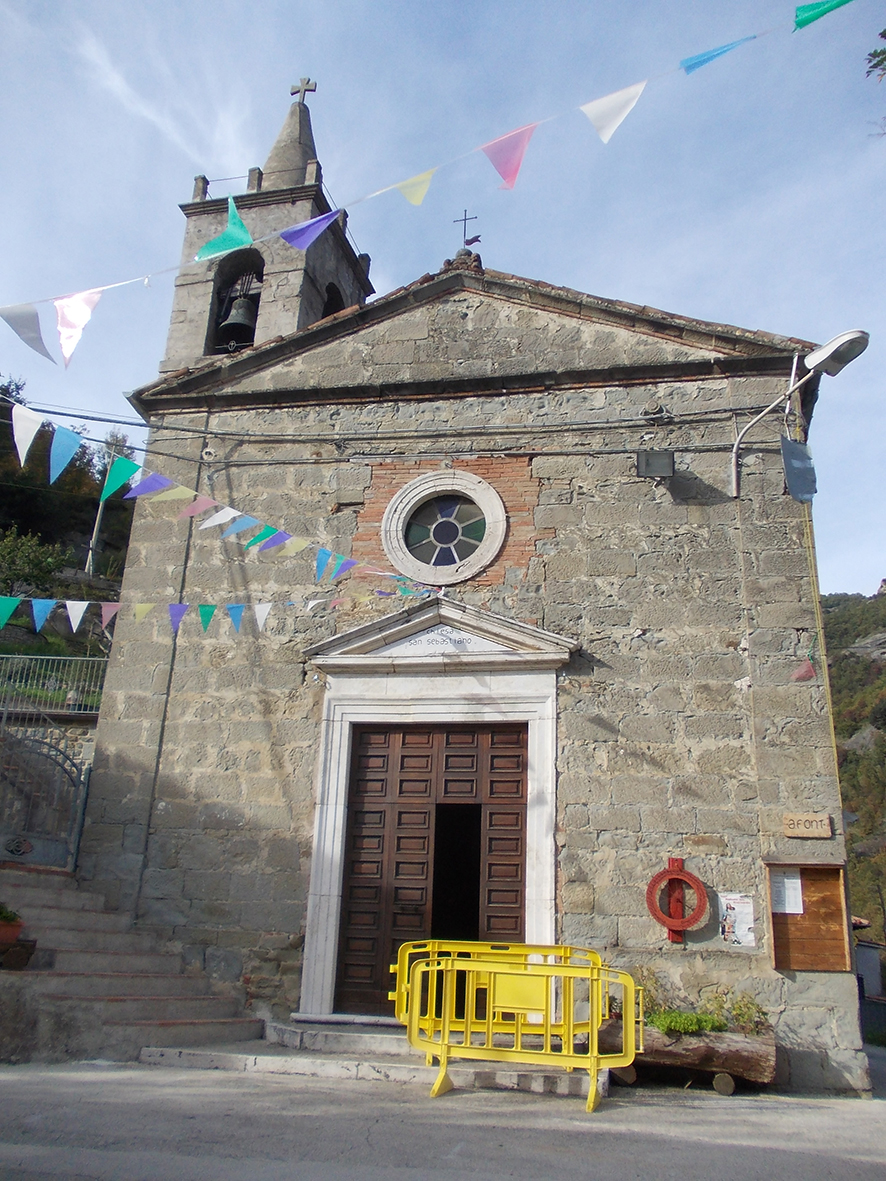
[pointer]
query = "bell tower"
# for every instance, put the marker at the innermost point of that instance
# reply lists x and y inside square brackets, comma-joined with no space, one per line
[268,289]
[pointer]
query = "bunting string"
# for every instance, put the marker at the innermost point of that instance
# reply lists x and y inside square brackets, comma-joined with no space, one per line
[505,153]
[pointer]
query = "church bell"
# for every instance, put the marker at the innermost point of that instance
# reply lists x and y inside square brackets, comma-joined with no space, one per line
[239,326]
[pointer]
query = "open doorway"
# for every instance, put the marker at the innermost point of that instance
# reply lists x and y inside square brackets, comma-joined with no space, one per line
[455,912]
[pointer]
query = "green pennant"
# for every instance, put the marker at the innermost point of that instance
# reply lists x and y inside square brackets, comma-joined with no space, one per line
[206,612]
[807,13]
[119,473]
[7,606]
[265,533]
[233,237]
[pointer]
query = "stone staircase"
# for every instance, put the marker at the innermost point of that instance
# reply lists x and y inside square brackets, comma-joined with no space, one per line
[96,987]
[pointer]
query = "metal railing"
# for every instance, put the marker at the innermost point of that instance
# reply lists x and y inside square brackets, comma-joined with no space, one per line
[54,685]
[516,1003]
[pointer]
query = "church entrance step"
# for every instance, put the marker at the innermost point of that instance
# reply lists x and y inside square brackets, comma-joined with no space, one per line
[350,1037]
[112,1009]
[127,1038]
[70,960]
[142,984]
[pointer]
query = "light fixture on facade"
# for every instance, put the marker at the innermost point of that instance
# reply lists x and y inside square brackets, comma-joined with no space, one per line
[829,359]
[655,465]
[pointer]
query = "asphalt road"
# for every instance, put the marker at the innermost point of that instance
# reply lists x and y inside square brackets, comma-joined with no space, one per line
[136,1123]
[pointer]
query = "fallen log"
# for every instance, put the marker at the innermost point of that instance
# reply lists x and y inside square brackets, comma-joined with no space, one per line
[746,1056]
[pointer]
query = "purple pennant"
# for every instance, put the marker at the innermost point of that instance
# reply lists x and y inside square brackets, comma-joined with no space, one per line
[301,236]
[176,615]
[151,483]
[278,538]
[342,566]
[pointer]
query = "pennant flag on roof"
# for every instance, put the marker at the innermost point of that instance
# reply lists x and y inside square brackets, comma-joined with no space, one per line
[240,525]
[275,539]
[109,610]
[141,610]
[176,615]
[608,113]
[690,64]
[806,671]
[25,323]
[73,314]
[235,611]
[206,612]
[153,482]
[233,237]
[506,153]
[264,535]
[294,546]
[262,610]
[323,556]
[7,605]
[200,505]
[65,445]
[25,424]
[75,611]
[221,517]
[302,235]
[119,473]
[415,189]
[176,492]
[41,609]
[342,566]
[807,13]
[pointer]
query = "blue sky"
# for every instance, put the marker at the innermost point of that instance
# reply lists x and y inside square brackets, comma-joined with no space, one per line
[747,193]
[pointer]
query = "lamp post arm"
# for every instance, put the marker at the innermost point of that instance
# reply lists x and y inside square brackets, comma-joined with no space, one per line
[785,397]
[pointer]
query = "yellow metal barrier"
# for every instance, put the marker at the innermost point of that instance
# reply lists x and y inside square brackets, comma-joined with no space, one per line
[508,1008]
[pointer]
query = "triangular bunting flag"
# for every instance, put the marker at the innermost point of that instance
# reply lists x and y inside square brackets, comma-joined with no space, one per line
[176,615]
[264,535]
[65,445]
[176,492]
[233,237]
[235,610]
[806,671]
[151,483]
[7,606]
[206,612]
[73,314]
[301,236]
[342,566]
[312,603]
[415,189]
[262,610]
[608,113]
[200,505]
[239,525]
[295,546]
[75,611]
[25,424]
[109,610]
[323,556]
[221,517]
[690,64]
[506,153]
[141,610]
[119,473]
[25,323]
[41,609]
[807,13]
[276,539]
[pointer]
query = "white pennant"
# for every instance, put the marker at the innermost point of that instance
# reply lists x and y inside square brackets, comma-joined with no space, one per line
[221,517]
[608,113]
[73,314]
[25,424]
[76,612]
[262,610]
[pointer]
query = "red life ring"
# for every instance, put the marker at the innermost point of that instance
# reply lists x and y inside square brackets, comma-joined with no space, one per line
[695,884]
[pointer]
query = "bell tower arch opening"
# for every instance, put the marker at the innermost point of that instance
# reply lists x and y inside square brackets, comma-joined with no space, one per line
[235,300]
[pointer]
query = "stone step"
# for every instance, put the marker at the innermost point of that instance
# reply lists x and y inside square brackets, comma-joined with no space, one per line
[127,1038]
[40,918]
[18,894]
[142,984]
[265,1058]
[70,960]
[78,939]
[361,1041]
[112,1010]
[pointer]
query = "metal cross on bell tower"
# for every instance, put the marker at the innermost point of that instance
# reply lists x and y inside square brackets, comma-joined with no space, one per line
[306,86]
[464,219]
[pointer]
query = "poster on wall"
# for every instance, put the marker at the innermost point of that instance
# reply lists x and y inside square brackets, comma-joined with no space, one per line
[787,891]
[737,920]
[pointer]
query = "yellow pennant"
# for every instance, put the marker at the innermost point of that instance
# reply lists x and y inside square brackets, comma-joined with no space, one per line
[295,545]
[416,187]
[176,492]
[142,609]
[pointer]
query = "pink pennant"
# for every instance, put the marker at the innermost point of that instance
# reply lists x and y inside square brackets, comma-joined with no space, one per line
[506,153]
[73,314]
[806,671]
[200,505]
[109,610]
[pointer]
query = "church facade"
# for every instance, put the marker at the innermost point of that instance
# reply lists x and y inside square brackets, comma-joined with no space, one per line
[599,682]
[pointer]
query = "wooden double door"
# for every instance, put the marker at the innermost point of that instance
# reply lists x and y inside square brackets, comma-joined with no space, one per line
[435,847]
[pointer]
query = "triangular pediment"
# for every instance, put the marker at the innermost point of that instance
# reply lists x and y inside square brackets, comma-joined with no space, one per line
[442,635]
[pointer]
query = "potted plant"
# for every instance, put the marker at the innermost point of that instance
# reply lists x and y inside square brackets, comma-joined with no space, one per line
[10,927]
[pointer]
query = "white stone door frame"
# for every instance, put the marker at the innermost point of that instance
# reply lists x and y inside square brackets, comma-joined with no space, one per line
[433,698]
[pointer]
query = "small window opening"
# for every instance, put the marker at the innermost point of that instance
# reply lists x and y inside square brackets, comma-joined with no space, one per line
[334,301]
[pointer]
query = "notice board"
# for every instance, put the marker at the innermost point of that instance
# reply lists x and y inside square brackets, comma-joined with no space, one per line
[810,931]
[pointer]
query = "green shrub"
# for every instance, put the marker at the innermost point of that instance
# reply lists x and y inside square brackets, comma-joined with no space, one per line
[677,1021]
[7,915]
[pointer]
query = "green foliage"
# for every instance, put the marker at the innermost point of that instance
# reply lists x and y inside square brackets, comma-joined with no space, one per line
[876,1039]
[7,915]
[877,61]
[719,1010]
[858,685]
[678,1021]
[26,564]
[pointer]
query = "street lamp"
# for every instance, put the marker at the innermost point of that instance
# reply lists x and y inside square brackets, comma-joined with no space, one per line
[830,359]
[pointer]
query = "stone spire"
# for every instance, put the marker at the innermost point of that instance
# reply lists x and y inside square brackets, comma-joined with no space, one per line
[286,166]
